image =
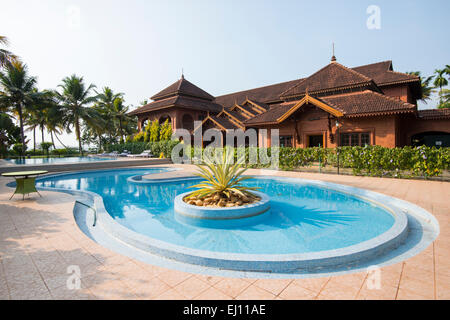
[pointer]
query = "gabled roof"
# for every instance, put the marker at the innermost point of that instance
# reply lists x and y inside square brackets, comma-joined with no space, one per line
[233,114]
[366,103]
[220,121]
[355,104]
[331,77]
[183,88]
[181,102]
[278,114]
[382,73]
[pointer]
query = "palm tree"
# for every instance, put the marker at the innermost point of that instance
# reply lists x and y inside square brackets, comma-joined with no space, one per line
[18,92]
[6,57]
[426,89]
[440,82]
[74,100]
[447,69]
[119,114]
[105,106]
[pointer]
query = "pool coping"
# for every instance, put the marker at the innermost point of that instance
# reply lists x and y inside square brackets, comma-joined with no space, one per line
[313,261]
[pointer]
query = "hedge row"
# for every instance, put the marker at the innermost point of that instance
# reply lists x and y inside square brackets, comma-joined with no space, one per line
[369,160]
[156,148]
[373,160]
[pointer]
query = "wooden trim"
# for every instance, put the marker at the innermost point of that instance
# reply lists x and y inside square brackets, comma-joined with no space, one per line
[239,123]
[251,115]
[256,105]
[308,99]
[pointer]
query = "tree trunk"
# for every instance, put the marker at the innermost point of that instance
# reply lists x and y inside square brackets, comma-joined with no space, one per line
[34,139]
[57,138]
[77,132]
[121,131]
[22,135]
[42,134]
[53,141]
[99,142]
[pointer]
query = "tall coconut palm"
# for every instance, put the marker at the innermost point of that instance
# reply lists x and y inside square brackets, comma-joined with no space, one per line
[17,91]
[6,57]
[447,70]
[440,82]
[74,101]
[426,89]
[119,114]
[105,105]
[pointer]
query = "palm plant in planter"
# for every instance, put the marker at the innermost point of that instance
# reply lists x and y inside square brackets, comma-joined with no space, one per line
[223,184]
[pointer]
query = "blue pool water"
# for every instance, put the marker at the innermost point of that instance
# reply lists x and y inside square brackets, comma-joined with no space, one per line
[303,218]
[35,161]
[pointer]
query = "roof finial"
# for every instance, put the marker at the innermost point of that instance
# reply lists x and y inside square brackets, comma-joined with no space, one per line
[333,58]
[182,73]
[306,93]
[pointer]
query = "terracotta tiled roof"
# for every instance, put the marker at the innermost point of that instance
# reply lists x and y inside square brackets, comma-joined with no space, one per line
[271,115]
[364,103]
[179,101]
[224,122]
[263,94]
[332,76]
[434,114]
[367,103]
[183,87]
[383,74]
[260,104]
[236,115]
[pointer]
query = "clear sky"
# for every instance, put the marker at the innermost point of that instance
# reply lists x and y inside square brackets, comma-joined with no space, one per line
[139,47]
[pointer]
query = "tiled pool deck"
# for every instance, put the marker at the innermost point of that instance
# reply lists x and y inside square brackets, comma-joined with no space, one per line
[39,240]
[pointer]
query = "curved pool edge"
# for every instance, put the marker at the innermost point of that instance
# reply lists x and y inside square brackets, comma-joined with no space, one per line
[314,261]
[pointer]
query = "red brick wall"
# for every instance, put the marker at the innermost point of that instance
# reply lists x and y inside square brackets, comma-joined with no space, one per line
[401,92]
[411,125]
[315,122]
[176,114]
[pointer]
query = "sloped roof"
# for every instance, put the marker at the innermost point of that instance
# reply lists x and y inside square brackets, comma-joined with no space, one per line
[236,115]
[434,114]
[183,87]
[332,76]
[270,116]
[363,103]
[367,103]
[181,102]
[382,73]
[264,94]
[224,122]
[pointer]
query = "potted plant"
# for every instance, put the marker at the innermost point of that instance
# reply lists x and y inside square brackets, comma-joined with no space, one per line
[222,186]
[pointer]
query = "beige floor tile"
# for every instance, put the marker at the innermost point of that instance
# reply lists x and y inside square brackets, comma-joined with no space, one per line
[274,286]
[296,292]
[212,294]
[255,293]
[191,287]
[232,287]
[174,277]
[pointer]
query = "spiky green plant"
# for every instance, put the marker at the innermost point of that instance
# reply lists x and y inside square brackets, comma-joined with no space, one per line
[222,177]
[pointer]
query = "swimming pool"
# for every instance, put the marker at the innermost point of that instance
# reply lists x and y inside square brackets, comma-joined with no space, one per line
[38,161]
[309,225]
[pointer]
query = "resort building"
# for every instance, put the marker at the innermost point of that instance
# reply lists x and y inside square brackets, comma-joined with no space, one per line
[336,106]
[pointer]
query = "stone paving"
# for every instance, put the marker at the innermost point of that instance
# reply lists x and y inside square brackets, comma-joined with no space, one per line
[39,240]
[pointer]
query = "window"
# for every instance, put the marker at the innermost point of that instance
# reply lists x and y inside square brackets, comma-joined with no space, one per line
[365,139]
[285,141]
[355,139]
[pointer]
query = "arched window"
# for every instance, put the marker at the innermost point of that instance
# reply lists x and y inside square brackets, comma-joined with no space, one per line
[144,124]
[164,118]
[188,122]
